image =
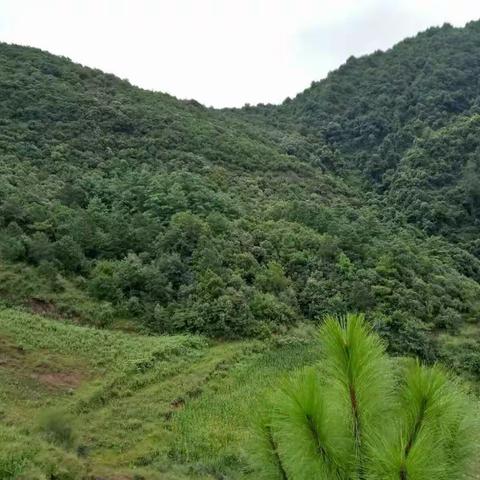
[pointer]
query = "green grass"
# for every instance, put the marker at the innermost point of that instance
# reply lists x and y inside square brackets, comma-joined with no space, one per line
[168,407]
[153,407]
[219,420]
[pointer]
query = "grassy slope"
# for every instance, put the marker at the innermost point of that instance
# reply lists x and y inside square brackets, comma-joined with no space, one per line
[162,407]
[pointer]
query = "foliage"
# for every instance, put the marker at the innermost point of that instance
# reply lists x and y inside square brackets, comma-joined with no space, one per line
[128,205]
[57,427]
[124,208]
[21,459]
[356,416]
[161,407]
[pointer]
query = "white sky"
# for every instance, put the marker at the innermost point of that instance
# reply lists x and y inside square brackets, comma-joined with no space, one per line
[222,53]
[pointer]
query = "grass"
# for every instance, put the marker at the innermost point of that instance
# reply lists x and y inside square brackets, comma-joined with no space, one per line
[231,399]
[169,407]
[79,401]
[50,293]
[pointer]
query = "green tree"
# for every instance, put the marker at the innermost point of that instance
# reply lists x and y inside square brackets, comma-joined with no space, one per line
[68,253]
[361,416]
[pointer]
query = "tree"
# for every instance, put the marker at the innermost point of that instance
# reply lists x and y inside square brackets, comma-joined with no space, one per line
[69,253]
[359,415]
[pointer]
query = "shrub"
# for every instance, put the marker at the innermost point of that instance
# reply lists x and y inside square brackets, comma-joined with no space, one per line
[22,458]
[57,427]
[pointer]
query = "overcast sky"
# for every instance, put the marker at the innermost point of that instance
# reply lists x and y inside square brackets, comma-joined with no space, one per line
[222,52]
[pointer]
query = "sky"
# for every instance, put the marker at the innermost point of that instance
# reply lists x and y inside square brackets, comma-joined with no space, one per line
[222,53]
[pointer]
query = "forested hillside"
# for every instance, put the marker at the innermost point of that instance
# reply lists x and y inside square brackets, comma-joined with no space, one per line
[123,207]
[405,120]
[125,214]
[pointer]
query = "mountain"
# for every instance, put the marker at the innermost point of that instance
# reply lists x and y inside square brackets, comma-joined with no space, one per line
[120,206]
[126,213]
[386,115]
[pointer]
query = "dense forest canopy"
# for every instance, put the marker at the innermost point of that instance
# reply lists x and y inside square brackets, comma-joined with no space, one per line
[360,194]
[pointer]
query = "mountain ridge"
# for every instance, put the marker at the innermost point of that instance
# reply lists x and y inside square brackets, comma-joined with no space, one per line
[240,222]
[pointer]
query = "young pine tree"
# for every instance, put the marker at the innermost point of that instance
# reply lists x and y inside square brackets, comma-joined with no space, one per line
[361,416]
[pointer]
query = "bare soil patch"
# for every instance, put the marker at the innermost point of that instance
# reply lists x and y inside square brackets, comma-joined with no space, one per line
[53,372]
[60,380]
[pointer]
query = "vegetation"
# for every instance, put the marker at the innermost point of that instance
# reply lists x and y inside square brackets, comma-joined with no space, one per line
[98,403]
[128,207]
[219,240]
[355,417]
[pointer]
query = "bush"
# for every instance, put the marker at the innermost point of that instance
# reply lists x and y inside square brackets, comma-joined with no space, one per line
[12,249]
[406,336]
[69,253]
[24,459]
[57,427]
[267,308]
